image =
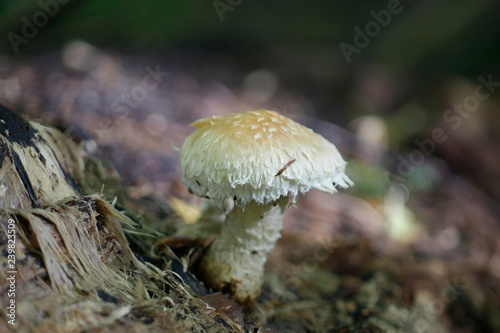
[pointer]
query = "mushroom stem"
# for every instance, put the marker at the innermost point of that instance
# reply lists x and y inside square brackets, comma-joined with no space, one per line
[235,260]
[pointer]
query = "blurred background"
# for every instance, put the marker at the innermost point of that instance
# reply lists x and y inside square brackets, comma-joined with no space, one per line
[408,91]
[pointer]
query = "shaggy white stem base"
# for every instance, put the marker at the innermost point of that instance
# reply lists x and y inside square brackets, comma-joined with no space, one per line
[236,258]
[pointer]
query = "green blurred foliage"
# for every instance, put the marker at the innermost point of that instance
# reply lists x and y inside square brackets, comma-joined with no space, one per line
[372,181]
[455,36]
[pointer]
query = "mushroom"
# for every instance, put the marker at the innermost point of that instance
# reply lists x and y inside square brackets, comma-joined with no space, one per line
[249,164]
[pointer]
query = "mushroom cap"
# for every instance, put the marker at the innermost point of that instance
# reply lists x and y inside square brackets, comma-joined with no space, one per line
[258,156]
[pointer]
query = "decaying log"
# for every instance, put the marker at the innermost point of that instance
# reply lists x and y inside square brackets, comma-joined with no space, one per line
[74,268]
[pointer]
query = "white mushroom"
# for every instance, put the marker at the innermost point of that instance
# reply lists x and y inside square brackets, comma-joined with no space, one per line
[250,164]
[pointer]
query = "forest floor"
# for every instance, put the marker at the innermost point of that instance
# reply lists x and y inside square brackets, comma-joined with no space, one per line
[412,251]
